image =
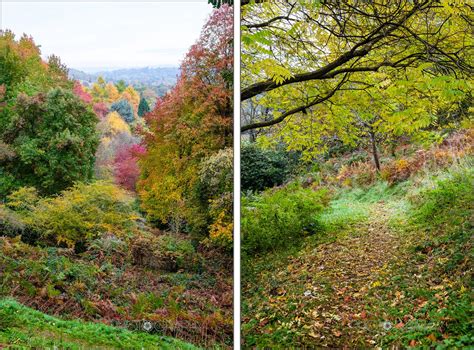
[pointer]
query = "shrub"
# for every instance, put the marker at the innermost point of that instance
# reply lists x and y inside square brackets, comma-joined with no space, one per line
[400,170]
[83,213]
[23,199]
[450,203]
[265,168]
[166,252]
[279,216]
[357,174]
[215,192]
[11,224]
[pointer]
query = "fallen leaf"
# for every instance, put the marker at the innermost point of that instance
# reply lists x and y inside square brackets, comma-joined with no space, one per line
[337,333]
[400,325]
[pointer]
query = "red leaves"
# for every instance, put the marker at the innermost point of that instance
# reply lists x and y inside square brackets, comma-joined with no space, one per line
[126,170]
[79,91]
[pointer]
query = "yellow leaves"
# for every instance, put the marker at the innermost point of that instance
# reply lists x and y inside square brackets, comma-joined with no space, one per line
[376,284]
[113,125]
[82,213]
[273,70]
[111,92]
[132,96]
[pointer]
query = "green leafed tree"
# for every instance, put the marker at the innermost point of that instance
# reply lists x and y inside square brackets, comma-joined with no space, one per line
[143,107]
[364,72]
[121,86]
[53,140]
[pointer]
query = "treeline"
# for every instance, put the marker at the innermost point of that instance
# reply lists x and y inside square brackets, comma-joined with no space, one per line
[56,133]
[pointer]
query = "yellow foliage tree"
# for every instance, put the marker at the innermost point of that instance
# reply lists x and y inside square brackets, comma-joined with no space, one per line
[112,125]
[133,97]
[111,92]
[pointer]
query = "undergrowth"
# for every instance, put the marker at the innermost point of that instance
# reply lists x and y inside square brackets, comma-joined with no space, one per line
[422,296]
[24,328]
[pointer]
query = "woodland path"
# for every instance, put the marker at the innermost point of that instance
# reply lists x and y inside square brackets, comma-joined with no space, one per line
[330,293]
[350,269]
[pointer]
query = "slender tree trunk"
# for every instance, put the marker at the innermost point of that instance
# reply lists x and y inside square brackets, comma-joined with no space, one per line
[374,150]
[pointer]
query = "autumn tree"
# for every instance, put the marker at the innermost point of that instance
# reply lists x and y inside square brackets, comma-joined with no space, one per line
[111,92]
[132,97]
[98,90]
[190,123]
[114,134]
[23,71]
[121,86]
[126,169]
[302,61]
[80,92]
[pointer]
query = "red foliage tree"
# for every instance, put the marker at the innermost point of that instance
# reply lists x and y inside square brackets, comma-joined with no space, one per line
[191,122]
[79,91]
[100,109]
[126,170]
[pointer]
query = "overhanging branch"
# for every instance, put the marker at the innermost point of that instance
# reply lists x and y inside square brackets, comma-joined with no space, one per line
[295,110]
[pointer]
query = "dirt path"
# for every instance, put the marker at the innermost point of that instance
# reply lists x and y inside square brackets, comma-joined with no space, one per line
[348,271]
[328,295]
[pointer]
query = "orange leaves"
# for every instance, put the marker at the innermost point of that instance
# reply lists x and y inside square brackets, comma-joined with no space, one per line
[190,123]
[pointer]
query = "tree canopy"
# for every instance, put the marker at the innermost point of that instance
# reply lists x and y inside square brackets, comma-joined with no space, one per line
[300,55]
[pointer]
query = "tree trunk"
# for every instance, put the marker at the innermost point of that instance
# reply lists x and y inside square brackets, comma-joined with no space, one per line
[374,150]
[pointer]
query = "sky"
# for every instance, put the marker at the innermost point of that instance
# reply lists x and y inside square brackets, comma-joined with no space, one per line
[94,36]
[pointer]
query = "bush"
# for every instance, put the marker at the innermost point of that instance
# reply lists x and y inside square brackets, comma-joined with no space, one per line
[11,224]
[166,252]
[450,203]
[279,216]
[265,168]
[83,213]
[23,200]
[215,192]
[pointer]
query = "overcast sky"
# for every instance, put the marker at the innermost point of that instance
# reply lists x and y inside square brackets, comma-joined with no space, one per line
[97,35]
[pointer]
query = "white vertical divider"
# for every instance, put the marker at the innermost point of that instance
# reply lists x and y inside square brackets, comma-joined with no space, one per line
[237,174]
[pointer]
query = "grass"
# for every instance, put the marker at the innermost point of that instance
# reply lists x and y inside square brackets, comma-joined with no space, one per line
[24,328]
[422,289]
[105,286]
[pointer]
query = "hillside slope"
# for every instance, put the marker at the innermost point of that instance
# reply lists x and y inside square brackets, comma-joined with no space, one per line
[25,328]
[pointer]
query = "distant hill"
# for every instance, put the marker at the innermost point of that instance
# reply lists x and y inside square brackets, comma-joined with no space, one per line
[158,79]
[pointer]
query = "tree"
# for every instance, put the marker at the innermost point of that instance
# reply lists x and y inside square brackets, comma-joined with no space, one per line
[100,109]
[190,123]
[298,55]
[54,139]
[111,93]
[126,170]
[23,71]
[133,98]
[121,86]
[112,125]
[98,91]
[143,107]
[123,108]
[79,91]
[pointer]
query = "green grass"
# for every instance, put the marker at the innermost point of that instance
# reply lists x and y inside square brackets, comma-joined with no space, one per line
[425,290]
[24,328]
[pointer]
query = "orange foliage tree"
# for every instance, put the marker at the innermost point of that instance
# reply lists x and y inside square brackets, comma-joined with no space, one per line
[187,125]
